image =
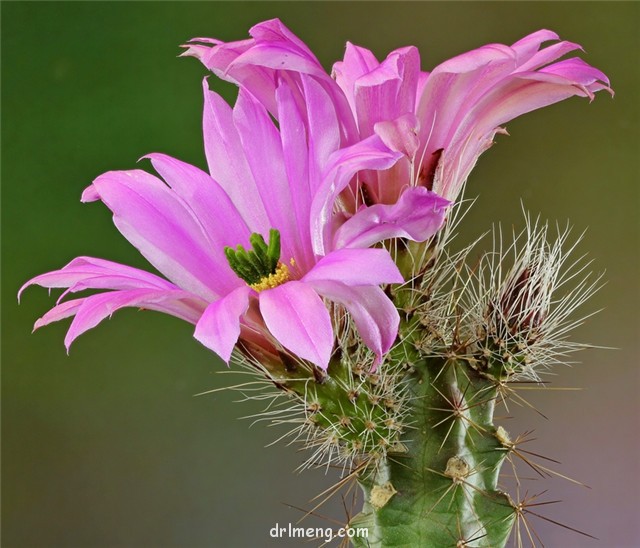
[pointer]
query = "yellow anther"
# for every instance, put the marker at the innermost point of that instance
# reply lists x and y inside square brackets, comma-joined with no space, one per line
[280,276]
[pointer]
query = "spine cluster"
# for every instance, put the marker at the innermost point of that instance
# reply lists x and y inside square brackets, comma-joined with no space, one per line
[418,434]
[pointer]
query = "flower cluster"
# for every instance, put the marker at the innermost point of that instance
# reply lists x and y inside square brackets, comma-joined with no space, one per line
[294,218]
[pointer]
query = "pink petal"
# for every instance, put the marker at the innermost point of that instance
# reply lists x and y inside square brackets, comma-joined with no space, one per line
[400,134]
[577,71]
[548,55]
[91,273]
[323,131]
[388,91]
[355,267]
[516,96]
[296,161]
[59,312]
[263,149]
[528,46]
[357,62]
[417,215]
[90,311]
[206,198]
[160,225]
[227,161]
[272,55]
[370,153]
[299,320]
[219,327]
[374,314]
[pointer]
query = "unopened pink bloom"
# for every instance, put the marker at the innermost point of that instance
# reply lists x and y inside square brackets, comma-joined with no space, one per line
[440,121]
[261,178]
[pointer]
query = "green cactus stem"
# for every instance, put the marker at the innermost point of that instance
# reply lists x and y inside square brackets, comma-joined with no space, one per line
[442,489]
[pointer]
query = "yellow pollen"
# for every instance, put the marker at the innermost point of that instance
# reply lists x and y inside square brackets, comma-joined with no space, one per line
[280,276]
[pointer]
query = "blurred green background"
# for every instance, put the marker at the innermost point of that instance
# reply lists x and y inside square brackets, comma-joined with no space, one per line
[107,446]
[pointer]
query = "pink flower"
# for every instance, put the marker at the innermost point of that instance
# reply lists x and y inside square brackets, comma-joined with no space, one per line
[440,121]
[264,185]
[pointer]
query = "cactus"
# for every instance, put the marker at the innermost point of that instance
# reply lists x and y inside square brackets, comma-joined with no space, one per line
[418,434]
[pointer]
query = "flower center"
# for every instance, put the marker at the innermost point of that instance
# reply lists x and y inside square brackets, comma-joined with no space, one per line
[260,266]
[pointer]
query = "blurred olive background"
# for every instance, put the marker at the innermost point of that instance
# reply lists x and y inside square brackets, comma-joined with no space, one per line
[108,446]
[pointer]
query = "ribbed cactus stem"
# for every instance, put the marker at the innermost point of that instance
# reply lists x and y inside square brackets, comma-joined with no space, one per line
[442,489]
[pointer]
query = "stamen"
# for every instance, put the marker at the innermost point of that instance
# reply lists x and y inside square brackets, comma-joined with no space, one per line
[280,276]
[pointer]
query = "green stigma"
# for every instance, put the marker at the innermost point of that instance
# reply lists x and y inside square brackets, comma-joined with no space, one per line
[258,263]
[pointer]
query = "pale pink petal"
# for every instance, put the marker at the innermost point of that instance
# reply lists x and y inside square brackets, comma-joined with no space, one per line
[299,320]
[161,226]
[355,267]
[219,327]
[374,314]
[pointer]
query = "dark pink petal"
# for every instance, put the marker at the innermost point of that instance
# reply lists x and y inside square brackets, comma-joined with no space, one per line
[227,161]
[417,215]
[160,225]
[371,153]
[374,314]
[355,267]
[299,320]
[219,327]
